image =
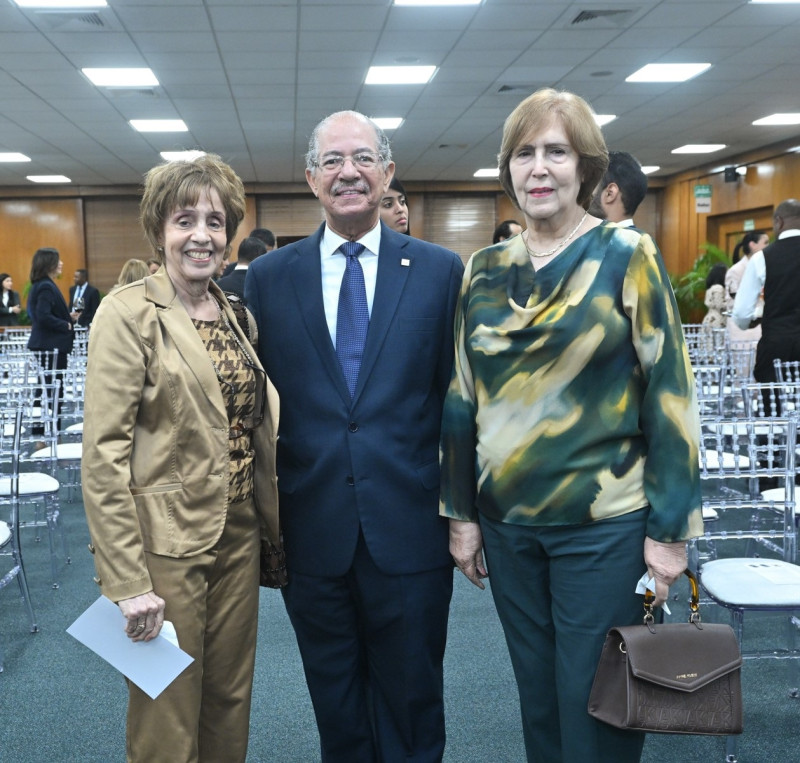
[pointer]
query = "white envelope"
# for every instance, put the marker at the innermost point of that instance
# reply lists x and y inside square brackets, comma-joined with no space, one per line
[151,665]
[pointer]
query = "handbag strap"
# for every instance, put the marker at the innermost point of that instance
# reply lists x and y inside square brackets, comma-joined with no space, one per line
[694,604]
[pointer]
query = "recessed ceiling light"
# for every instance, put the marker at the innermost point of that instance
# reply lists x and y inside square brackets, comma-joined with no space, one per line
[698,148]
[49,179]
[604,119]
[667,72]
[399,75]
[121,77]
[62,4]
[779,119]
[181,156]
[650,168]
[489,172]
[13,156]
[438,2]
[159,125]
[741,170]
[388,123]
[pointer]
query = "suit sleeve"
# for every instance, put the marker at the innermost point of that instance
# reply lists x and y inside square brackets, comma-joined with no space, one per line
[115,377]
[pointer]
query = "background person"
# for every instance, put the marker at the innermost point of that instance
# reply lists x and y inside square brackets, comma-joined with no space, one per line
[10,306]
[179,467]
[569,441]
[621,191]
[751,243]
[153,264]
[249,248]
[394,207]
[506,230]
[84,299]
[774,270]
[132,270]
[715,297]
[51,322]
[362,364]
[262,234]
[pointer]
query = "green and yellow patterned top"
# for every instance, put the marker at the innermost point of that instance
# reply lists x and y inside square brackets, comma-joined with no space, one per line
[572,398]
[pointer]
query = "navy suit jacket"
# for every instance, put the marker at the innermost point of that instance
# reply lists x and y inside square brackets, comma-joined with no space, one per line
[51,325]
[372,462]
[91,301]
[233,282]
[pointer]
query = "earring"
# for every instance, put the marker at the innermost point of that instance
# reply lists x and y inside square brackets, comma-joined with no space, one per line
[160,249]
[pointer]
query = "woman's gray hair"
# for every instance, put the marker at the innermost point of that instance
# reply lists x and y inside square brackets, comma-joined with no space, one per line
[381,141]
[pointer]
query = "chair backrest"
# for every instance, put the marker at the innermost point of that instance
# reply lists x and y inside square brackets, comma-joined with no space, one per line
[743,451]
[766,399]
[787,370]
[709,383]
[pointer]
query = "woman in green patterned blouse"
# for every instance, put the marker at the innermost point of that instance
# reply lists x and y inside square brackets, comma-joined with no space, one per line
[570,429]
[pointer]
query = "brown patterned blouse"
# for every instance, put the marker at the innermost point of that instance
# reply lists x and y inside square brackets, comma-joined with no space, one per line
[238,385]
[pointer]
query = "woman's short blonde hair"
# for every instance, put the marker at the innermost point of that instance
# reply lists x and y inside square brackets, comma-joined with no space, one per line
[172,185]
[132,270]
[535,114]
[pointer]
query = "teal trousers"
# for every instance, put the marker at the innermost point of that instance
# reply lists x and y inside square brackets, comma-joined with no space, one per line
[557,591]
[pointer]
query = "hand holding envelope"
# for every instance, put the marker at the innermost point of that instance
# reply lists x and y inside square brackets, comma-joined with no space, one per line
[151,665]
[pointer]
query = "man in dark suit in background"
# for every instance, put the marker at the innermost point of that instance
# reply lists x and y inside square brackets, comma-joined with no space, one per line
[249,249]
[83,313]
[776,270]
[262,234]
[355,327]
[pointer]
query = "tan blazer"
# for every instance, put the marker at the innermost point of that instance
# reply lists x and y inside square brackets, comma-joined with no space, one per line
[155,439]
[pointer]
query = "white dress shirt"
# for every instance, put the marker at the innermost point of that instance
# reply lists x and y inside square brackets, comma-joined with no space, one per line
[744,306]
[333,266]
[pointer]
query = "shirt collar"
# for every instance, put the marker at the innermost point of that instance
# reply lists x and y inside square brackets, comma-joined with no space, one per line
[332,241]
[789,233]
[628,223]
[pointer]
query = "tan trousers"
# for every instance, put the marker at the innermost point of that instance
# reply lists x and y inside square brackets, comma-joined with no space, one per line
[212,599]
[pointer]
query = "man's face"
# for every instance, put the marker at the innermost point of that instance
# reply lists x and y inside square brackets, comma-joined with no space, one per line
[350,194]
[79,278]
[596,207]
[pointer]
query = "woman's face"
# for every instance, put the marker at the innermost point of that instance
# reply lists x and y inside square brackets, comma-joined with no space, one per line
[394,211]
[194,240]
[56,271]
[757,246]
[8,283]
[544,175]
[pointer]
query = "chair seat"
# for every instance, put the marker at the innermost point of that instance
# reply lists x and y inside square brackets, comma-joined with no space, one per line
[75,427]
[5,534]
[729,460]
[777,494]
[65,451]
[30,483]
[752,583]
[709,514]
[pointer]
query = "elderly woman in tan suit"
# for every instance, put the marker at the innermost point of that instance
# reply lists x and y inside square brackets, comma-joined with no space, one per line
[179,467]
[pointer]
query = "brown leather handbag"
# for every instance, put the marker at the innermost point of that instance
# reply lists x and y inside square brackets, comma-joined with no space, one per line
[677,678]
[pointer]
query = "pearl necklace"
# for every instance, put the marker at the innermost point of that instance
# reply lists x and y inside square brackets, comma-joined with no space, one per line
[558,245]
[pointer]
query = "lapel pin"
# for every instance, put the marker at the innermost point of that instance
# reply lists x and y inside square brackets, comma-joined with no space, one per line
[405,263]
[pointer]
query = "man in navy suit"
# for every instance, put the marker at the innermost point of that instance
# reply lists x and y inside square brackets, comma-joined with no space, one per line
[370,575]
[82,289]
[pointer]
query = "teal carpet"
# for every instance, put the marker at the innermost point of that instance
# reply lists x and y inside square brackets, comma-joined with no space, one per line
[60,702]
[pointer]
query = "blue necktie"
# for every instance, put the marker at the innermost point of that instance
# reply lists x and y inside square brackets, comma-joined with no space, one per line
[352,319]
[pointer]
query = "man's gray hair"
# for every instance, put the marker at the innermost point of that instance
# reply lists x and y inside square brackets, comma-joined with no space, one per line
[381,141]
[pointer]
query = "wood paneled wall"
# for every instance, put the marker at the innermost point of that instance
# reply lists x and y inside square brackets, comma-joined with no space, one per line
[29,224]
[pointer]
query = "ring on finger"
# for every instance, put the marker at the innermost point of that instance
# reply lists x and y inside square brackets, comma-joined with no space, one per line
[140,627]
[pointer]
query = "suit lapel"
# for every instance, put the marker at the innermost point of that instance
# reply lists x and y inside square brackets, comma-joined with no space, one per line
[306,275]
[187,342]
[394,265]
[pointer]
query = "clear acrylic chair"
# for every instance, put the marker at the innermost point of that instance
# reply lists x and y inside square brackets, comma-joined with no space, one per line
[39,484]
[753,565]
[10,547]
